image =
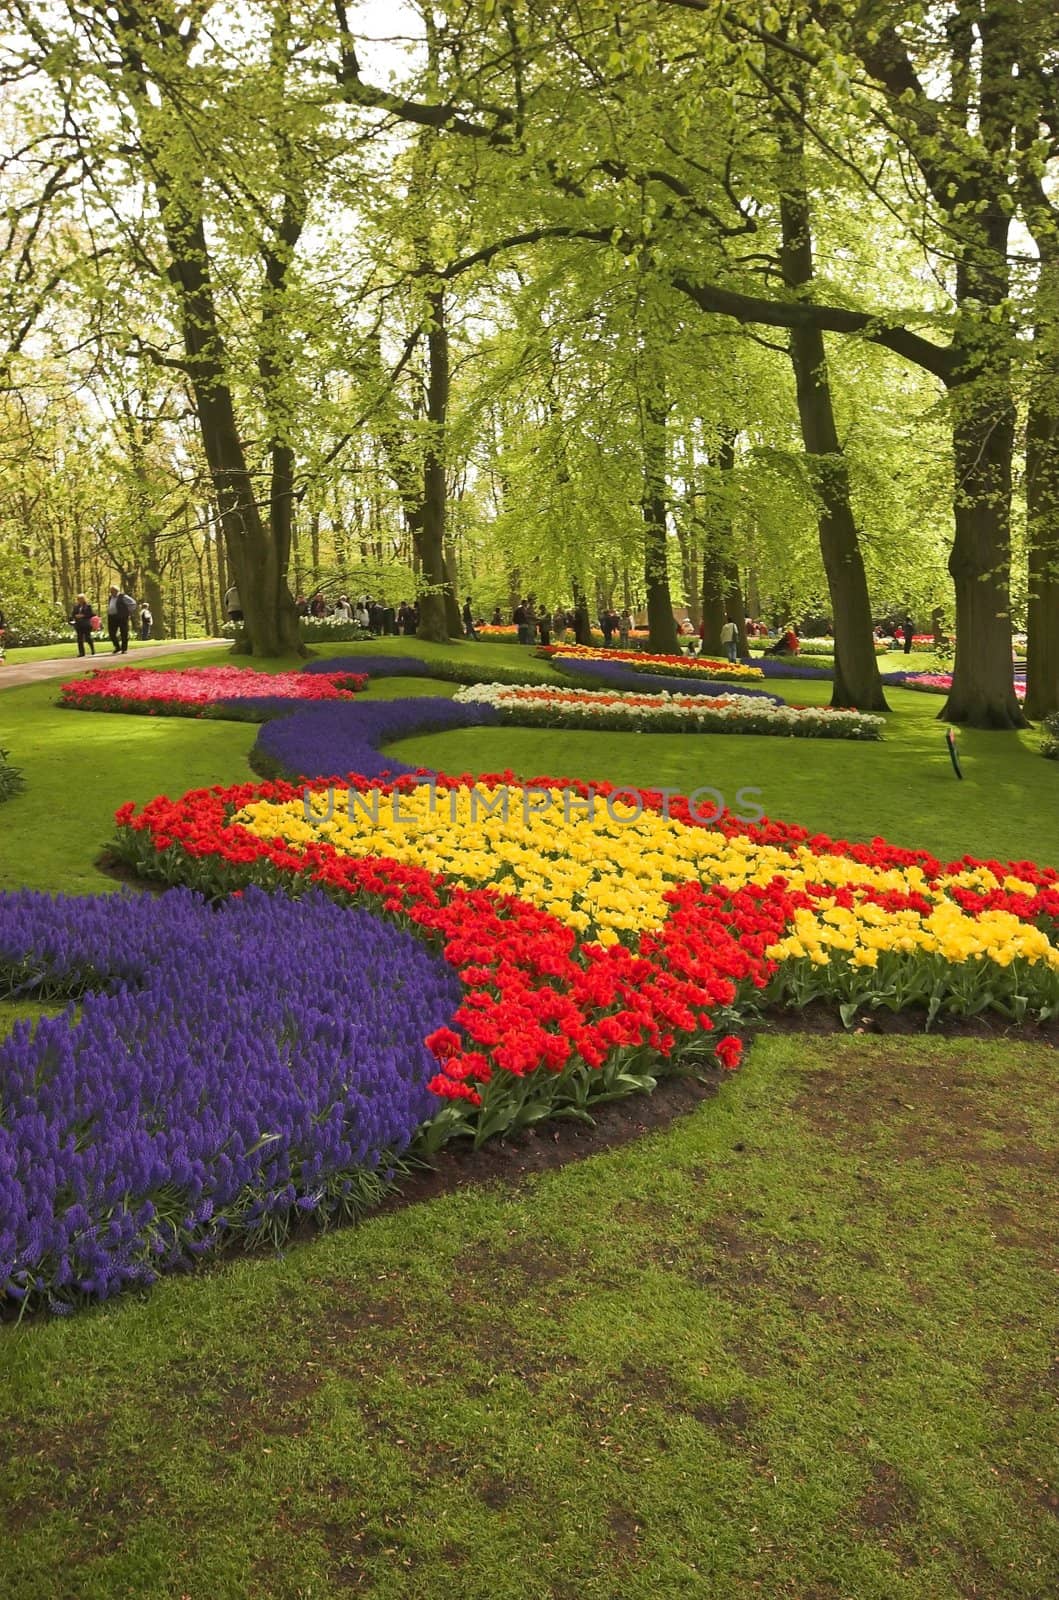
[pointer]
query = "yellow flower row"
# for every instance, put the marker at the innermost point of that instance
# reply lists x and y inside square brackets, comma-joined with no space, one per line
[605,874]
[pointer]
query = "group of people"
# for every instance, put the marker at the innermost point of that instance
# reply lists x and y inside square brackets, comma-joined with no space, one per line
[374,616]
[121,609]
[610,623]
[536,624]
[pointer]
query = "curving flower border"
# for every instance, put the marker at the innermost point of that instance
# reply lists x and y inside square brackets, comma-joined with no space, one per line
[527,705]
[638,661]
[551,1021]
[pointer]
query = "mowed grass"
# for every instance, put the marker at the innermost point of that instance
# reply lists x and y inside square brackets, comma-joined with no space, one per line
[800,1344]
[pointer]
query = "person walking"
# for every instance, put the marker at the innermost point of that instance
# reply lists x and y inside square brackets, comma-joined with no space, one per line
[625,628]
[730,639]
[606,623]
[518,617]
[146,622]
[544,626]
[82,617]
[468,619]
[910,629]
[233,606]
[120,607]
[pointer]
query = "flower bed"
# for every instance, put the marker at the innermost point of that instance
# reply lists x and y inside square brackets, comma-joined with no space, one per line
[606,673]
[934,682]
[224,1070]
[667,713]
[205,691]
[817,647]
[662,666]
[335,740]
[962,937]
[592,940]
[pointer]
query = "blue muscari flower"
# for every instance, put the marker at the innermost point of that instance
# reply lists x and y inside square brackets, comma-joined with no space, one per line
[339,737]
[240,1057]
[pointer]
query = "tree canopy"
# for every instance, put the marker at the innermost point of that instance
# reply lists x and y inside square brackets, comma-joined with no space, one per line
[729,306]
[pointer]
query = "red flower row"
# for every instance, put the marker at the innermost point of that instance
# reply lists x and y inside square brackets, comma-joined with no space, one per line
[536,996]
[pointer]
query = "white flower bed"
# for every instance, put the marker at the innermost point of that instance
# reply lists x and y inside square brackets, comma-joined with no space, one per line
[666,713]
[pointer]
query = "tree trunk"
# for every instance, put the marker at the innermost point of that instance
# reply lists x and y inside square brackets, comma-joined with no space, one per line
[857,681]
[582,620]
[1042,514]
[211,585]
[257,554]
[722,594]
[152,587]
[256,559]
[662,628]
[433,603]
[735,606]
[713,600]
[983,690]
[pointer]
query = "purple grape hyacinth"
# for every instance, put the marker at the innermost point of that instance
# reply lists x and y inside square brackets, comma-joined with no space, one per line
[340,737]
[227,1068]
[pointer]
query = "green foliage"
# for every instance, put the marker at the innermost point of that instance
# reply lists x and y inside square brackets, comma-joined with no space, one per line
[11,780]
[1050,737]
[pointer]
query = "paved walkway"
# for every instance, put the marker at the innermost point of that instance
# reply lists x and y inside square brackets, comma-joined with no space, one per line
[13,673]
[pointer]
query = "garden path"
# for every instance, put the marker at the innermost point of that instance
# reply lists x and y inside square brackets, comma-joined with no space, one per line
[13,674]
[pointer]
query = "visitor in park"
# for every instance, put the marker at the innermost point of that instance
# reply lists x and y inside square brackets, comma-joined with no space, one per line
[559,623]
[531,621]
[301,606]
[362,615]
[146,622]
[120,607]
[606,623]
[520,617]
[544,626]
[318,605]
[374,616]
[498,618]
[343,609]
[625,628]
[786,644]
[82,617]
[468,619]
[910,631]
[233,606]
[730,639]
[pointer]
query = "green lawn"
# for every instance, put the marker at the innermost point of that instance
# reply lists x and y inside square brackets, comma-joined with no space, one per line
[800,1344]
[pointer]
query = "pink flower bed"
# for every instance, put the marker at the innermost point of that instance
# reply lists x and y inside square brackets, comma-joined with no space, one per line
[194,690]
[941,683]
